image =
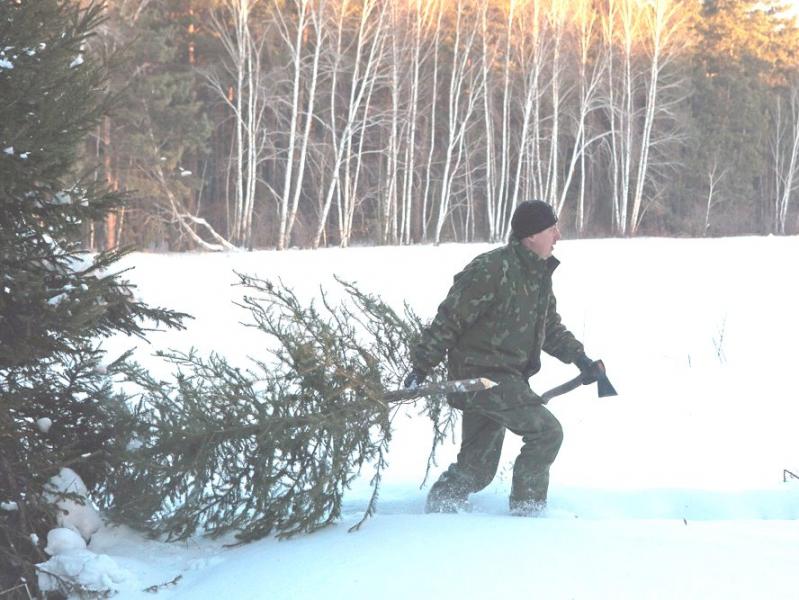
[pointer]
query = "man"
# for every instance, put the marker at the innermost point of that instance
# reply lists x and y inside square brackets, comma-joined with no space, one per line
[497,317]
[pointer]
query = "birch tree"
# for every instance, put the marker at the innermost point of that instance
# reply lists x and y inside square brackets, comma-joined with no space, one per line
[426,195]
[422,16]
[662,18]
[785,150]
[308,15]
[233,21]
[464,92]
[388,205]
[590,69]
[531,48]
[628,29]
[498,149]
[487,61]
[558,12]
[713,180]
[370,38]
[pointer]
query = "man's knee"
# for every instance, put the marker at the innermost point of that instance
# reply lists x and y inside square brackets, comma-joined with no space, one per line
[545,435]
[555,433]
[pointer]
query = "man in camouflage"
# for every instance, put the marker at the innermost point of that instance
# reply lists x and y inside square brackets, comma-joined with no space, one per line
[497,317]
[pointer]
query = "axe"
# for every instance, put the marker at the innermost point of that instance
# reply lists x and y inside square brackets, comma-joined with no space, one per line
[603,386]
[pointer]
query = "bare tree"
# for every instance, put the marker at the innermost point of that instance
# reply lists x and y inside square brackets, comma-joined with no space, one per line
[464,93]
[531,49]
[713,180]
[487,57]
[426,195]
[785,150]
[558,13]
[663,20]
[370,38]
[420,21]
[642,40]
[233,22]
[309,14]
[591,65]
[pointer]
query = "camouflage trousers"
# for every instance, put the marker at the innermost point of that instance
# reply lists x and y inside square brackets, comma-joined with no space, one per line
[512,405]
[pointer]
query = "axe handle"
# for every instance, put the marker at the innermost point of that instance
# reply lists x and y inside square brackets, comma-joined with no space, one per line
[604,387]
[562,389]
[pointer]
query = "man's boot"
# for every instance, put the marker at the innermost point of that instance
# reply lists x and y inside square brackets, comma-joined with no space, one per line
[444,497]
[527,507]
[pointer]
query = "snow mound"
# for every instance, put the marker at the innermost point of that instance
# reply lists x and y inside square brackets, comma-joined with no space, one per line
[81,518]
[63,540]
[73,568]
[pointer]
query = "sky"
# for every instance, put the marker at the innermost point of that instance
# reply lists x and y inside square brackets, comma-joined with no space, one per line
[672,489]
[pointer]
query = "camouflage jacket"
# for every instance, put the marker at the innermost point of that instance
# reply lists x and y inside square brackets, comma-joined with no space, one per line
[497,317]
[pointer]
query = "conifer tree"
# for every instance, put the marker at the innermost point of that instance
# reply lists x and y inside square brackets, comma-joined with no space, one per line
[271,449]
[57,404]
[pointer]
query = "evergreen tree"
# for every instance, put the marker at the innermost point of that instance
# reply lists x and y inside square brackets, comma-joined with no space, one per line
[741,57]
[57,405]
[270,449]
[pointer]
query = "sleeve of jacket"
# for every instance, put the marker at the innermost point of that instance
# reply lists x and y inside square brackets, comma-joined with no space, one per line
[559,341]
[472,293]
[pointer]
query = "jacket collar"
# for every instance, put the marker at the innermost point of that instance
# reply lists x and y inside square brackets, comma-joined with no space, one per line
[531,261]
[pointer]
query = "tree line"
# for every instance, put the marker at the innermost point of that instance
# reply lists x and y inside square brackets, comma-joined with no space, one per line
[255,123]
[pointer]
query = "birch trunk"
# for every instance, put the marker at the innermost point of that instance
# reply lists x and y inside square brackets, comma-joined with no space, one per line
[588,87]
[246,100]
[787,174]
[318,21]
[358,89]
[458,117]
[295,50]
[433,115]
[663,20]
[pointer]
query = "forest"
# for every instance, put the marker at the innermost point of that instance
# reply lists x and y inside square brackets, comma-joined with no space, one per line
[309,123]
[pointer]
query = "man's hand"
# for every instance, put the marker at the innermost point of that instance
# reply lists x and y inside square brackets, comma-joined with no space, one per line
[591,370]
[414,378]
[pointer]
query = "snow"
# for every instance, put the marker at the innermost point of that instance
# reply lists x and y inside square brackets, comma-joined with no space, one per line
[78,61]
[73,563]
[44,424]
[62,540]
[57,299]
[673,489]
[83,518]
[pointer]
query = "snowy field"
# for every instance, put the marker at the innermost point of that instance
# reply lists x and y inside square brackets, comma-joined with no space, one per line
[673,489]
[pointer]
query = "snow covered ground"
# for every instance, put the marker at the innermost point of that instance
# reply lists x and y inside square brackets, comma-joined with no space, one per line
[673,489]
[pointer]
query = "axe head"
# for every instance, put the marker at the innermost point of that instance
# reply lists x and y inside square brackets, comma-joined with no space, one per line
[603,386]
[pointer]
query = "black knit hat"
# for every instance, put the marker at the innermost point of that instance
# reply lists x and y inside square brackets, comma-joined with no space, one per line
[531,217]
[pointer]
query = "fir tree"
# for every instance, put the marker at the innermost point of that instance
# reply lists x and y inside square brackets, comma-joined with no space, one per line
[57,405]
[271,449]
